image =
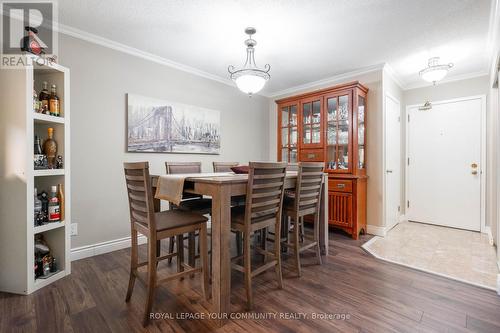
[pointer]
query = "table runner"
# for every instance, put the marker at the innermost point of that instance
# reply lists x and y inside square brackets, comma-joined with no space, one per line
[170,187]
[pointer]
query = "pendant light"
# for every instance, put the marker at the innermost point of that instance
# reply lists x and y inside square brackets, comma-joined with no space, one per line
[434,71]
[250,79]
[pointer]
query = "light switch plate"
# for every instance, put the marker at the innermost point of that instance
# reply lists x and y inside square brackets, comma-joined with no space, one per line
[74,229]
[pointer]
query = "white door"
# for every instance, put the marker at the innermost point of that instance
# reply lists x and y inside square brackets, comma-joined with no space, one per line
[444,177]
[392,162]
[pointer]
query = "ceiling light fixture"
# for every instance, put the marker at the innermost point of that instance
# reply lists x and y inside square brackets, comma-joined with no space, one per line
[250,79]
[434,71]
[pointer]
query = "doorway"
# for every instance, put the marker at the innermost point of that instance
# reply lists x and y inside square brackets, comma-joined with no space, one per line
[392,161]
[446,164]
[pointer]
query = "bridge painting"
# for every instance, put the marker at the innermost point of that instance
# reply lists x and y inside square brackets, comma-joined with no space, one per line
[166,127]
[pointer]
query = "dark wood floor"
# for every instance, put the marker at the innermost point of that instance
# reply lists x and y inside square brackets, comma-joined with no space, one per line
[374,296]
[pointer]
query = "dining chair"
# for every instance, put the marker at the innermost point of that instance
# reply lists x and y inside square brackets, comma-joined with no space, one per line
[190,202]
[157,226]
[224,166]
[305,201]
[264,200]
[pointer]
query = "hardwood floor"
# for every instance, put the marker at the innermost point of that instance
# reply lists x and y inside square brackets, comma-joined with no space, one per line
[374,295]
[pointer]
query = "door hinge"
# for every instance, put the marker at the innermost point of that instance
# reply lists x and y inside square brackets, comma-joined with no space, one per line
[408,118]
[399,119]
[408,204]
[408,161]
[399,209]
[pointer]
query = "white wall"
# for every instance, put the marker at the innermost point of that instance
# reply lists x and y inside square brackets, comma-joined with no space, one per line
[373,81]
[100,80]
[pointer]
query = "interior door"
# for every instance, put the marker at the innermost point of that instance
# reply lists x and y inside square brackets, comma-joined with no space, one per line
[444,171]
[392,162]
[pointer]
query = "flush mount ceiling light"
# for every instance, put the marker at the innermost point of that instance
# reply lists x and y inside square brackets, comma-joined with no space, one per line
[250,79]
[434,71]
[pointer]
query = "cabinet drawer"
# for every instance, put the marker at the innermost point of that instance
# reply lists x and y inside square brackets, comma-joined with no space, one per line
[312,155]
[340,185]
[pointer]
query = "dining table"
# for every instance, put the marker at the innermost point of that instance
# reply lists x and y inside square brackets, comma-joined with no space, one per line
[221,189]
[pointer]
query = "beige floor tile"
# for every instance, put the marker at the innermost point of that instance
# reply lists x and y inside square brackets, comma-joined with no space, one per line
[461,254]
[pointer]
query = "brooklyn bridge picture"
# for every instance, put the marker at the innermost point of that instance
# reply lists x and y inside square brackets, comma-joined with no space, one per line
[167,127]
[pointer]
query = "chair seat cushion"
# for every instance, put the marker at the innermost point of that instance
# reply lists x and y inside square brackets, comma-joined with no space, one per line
[171,219]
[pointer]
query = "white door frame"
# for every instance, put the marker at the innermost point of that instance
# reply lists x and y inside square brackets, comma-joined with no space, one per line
[483,152]
[384,164]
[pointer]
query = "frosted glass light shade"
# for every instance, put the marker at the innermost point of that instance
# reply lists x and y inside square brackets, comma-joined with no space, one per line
[250,84]
[434,75]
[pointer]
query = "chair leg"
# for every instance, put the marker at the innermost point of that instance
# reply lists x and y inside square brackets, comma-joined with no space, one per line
[151,280]
[296,246]
[277,255]
[263,243]
[191,251]
[247,263]
[133,264]
[316,238]
[180,253]
[238,243]
[202,240]
[171,242]
[158,250]
[301,229]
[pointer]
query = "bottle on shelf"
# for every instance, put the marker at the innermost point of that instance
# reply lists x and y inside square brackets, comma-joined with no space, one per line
[50,148]
[44,198]
[44,98]
[54,208]
[60,197]
[54,105]
[37,147]
[36,102]
[38,214]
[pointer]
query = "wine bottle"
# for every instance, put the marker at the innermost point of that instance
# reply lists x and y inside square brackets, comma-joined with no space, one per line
[50,148]
[54,106]
[54,208]
[44,98]
[37,149]
[60,197]
[38,209]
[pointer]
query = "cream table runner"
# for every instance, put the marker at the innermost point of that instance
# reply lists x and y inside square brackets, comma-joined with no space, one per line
[170,187]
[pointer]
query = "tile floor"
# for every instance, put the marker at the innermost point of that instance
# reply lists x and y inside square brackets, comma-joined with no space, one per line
[458,254]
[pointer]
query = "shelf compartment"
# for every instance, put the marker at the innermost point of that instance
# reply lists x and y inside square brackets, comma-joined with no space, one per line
[48,119]
[40,283]
[48,172]
[48,226]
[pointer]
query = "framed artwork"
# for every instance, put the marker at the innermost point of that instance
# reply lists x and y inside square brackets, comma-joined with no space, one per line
[157,126]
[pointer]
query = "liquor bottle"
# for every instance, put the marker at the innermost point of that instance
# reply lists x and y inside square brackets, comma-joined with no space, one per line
[60,197]
[50,148]
[37,149]
[54,105]
[36,102]
[44,98]
[44,198]
[54,208]
[38,216]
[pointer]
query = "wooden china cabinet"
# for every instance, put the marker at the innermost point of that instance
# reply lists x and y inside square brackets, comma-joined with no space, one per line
[328,126]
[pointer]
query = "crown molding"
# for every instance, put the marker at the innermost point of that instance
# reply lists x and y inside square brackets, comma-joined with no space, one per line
[95,39]
[460,77]
[326,81]
[394,76]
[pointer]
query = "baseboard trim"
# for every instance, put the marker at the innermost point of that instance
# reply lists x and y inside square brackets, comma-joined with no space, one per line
[104,247]
[376,230]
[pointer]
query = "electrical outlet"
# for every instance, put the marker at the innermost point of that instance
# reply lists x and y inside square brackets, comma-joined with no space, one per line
[74,229]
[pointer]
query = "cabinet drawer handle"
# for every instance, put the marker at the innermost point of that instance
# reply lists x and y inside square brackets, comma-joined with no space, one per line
[341,185]
[311,155]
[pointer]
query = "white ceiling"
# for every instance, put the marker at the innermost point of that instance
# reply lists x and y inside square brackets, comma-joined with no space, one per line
[302,40]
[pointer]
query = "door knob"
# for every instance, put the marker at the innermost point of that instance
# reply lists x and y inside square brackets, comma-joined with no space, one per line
[473,165]
[474,172]
[388,171]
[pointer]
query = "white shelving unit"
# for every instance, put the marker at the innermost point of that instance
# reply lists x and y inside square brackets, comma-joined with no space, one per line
[18,127]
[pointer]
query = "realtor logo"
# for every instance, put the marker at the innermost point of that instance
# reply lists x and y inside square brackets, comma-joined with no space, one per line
[27,27]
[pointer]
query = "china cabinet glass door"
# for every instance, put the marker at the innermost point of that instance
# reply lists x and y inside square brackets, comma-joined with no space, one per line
[338,132]
[289,133]
[311,123]
[361,132]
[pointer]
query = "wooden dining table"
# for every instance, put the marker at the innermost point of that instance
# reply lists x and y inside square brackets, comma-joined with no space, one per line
[221,189]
